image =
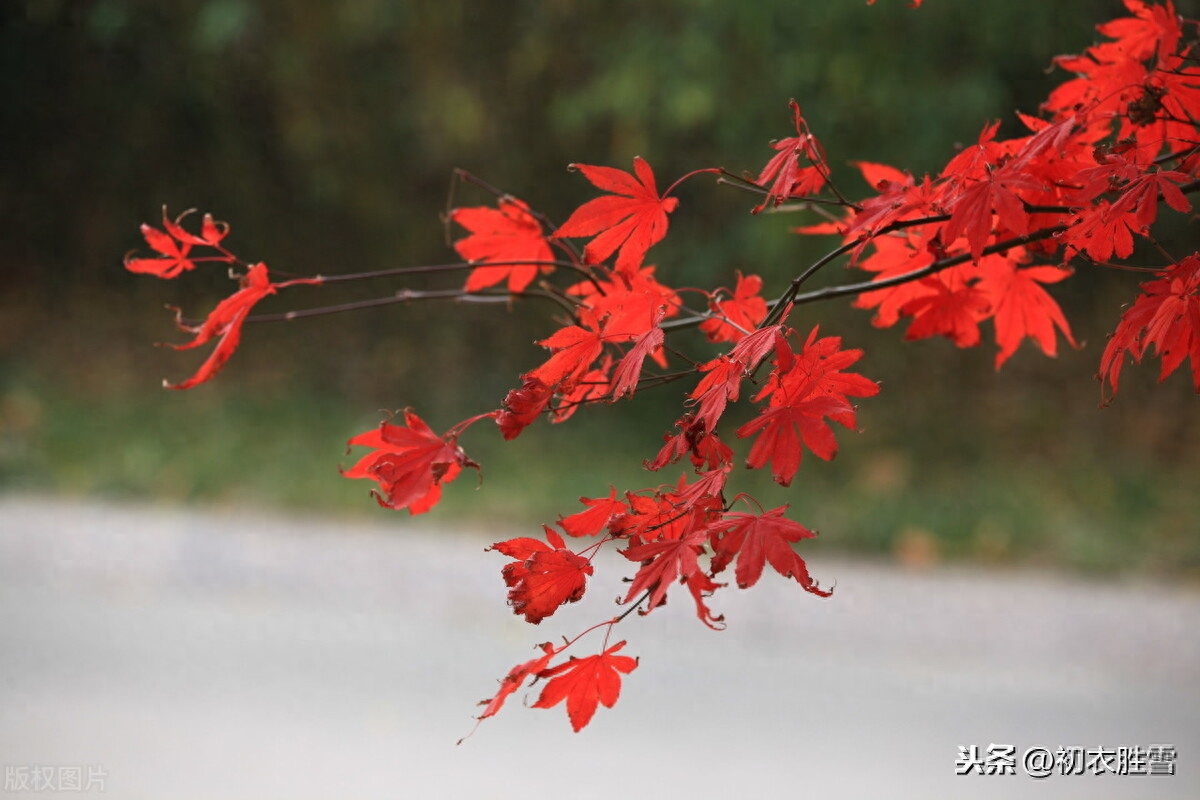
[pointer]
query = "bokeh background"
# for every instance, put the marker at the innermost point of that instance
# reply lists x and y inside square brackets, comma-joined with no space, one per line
[326,134]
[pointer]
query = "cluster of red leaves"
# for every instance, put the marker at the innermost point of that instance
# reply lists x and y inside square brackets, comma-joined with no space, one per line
[174,245]
[978,242]
[954,251]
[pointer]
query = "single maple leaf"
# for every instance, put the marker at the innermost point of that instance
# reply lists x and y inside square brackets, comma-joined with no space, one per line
[628,302]
[953,310]
[515,677]
[522,406]
[759,539]
[410,463]
[225,321]
[1022,307]
[599,511]
[1151,30]
[507,236]
[788,178]
[574,349]
[666,560]
[804,390]
[585,683]
[1100,230]
[175,244]
[737,316]
[895,254]
[629,368]
[782,429]
[211,231]
[544,576]
[631,219]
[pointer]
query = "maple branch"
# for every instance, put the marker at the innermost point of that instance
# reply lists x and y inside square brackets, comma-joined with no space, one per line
[452,267]
[917,274]
[406,296]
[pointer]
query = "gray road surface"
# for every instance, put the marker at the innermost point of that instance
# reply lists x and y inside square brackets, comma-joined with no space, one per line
[221,655]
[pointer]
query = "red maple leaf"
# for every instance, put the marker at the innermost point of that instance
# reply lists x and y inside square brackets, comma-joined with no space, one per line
[592,386]
[599,511]
[585,683]
[175,245]
[629,368]
[953,309]
[522,406]
[225,321]
[666,560]
[515,677]
[574,349]
[628,302]
[1166,315]
[804,390]
[509,236]
[784,171]
[740,314]
[410,463]
[895,254]
[632,218]
[759,539]
[544,576]
[1022,307]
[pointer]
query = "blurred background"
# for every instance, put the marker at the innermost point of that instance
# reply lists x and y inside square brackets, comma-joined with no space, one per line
[326,133]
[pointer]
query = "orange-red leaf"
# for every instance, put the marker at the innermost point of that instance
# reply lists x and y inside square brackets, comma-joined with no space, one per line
[631,219]
[585,683]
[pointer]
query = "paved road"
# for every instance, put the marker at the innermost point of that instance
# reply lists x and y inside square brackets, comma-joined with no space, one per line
[202,655]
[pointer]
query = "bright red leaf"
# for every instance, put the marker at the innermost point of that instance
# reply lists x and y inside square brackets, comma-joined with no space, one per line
[225,321]
[585,683]
[785,172]
[410,463]
[522,406]
[508,235]
[759,539]
[593,520]
[666,560]
[515,677]
[1021,306]
[544,576]
[1166,315]
[632,218]
[738,315]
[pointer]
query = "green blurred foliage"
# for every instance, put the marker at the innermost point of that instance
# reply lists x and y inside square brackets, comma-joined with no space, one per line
[326,134]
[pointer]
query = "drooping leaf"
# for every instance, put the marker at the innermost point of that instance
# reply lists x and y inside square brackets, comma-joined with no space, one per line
[585,683]
[755,540]
[409,462]
[225,323]
[543,576]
